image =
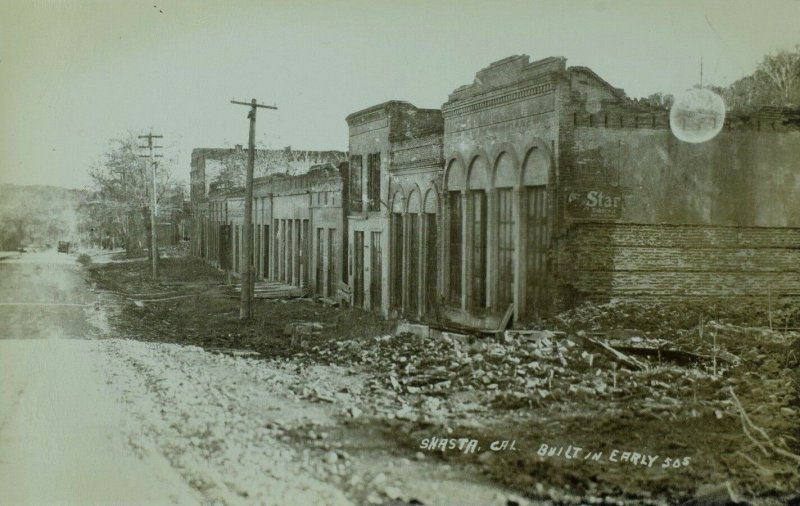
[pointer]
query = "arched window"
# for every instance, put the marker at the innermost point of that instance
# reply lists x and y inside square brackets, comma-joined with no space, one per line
[413,273]
[478,182]
[534,178]
[455,181]
[506,177]
[431,245]
[397,237]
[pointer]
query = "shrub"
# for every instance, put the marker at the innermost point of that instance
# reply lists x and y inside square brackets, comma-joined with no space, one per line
[84,259]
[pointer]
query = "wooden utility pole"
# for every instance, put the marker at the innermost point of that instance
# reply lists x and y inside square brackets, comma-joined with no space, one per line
[245,267]
[153,235]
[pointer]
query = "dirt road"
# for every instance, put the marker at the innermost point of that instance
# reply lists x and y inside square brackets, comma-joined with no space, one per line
[60,426]
[90,417]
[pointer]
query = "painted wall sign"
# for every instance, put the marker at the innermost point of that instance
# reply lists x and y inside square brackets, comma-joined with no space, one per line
[595,204]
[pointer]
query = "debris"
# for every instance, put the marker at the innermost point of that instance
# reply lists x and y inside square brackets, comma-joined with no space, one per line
[506,319]
[234,352]
[711,495]
[302,330]
[413,328]
[617,355]
[379,479]
[274,290]
[392,493]
[746,422]
[532,335]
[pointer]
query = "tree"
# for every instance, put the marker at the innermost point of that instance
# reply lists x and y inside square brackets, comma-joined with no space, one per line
[658,100]
[775,83]
[121,197]
[782,71]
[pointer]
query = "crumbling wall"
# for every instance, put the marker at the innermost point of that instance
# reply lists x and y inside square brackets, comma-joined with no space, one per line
[647,215]
[740,178]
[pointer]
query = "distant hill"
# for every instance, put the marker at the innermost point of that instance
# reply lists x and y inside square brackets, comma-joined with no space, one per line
[37,214]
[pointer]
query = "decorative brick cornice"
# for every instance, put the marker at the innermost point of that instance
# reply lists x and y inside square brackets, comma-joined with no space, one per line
[480,103]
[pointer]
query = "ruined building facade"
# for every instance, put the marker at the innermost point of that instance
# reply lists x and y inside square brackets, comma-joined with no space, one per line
[540,186]
[395,173]
[298,218]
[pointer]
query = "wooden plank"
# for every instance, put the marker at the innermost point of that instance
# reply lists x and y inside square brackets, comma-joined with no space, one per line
[616,355]
[506,319]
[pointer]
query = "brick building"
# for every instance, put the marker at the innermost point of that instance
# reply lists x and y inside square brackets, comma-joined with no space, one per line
[559,189]
[298,219]
[395,169]
[223,170]
[534,188]
[305,215]
[501,136]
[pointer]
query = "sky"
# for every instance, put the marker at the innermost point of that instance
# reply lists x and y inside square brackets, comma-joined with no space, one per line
[76,73]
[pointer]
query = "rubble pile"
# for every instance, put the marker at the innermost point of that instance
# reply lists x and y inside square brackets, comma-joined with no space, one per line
[666,319]
[520,369]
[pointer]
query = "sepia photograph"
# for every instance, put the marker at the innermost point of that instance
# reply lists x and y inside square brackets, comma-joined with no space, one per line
[395,253]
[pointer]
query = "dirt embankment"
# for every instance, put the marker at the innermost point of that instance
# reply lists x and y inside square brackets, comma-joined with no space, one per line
[698,403]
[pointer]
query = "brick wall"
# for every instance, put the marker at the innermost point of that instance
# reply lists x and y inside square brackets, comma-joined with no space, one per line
[426,150]
[602,261]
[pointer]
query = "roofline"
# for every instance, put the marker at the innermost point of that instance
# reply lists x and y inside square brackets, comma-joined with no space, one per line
[384,106]
[618,92]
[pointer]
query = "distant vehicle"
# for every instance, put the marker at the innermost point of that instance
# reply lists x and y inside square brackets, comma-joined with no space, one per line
[63,246]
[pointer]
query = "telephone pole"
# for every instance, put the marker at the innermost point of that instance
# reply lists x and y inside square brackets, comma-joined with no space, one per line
[246,269]
[153,235]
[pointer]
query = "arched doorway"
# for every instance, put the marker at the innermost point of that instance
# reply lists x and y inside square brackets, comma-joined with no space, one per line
[397,239]
[431,250]
[455,183]
[413,272]
[537,237]
[506,178]
[477,184]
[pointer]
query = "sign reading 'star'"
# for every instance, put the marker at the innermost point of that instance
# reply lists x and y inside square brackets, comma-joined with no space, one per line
[595,204]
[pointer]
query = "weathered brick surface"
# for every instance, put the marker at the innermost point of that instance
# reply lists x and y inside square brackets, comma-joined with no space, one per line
[742,177]
[617,260]
[424,151]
